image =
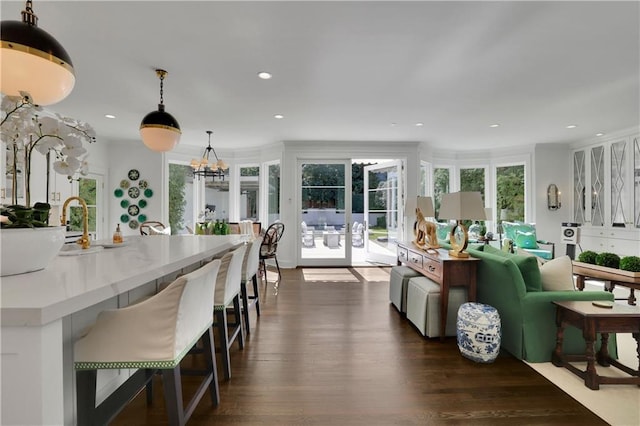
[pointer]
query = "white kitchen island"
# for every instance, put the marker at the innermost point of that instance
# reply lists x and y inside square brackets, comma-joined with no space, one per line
[44,312]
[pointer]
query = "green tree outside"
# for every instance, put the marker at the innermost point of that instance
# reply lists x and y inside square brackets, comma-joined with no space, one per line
[177,199]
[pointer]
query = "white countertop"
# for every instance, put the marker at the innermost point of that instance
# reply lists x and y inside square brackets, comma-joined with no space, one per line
[72,283]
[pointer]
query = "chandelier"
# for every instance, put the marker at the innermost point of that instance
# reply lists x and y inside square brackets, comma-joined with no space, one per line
[205,168]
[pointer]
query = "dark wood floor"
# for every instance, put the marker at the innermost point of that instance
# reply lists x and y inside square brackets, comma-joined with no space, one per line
[329,349]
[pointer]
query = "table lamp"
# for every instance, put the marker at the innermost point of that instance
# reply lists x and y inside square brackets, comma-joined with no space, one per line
[461,206]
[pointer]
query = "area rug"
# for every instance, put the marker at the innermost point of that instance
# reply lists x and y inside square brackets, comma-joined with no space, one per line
[618,405]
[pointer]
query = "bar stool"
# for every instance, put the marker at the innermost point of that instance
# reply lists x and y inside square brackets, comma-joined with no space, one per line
[227,294]
[250,272]
[152,335]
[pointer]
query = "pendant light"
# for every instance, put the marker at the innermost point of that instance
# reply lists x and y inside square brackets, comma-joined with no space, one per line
[208,168]
[33,62]
[159,130]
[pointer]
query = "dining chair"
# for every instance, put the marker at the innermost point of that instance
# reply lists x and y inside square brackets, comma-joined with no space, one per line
[152,335]
[152,227]
[269,247]
[226,297]
[250,273]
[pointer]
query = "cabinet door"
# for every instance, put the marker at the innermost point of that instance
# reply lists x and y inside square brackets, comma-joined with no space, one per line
[579,188]
[620,190]
[636,180]
[598,195]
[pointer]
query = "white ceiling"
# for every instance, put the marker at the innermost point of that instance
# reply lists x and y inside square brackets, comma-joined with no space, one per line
[344,71]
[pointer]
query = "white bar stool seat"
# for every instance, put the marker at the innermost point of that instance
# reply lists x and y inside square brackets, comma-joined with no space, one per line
[250,267]
[152,335]
[227,295]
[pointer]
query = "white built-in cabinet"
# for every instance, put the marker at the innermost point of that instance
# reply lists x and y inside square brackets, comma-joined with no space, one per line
[606,195]
[60,187]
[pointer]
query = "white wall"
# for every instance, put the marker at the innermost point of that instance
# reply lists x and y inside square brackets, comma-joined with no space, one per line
[552,164]
[122,157]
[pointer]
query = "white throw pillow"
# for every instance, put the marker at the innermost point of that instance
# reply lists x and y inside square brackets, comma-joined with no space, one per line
[557,274]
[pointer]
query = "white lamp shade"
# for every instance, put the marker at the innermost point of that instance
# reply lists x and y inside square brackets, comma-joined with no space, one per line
[425,204]
[410,206]
[462,206]
[46,81]
[159,139]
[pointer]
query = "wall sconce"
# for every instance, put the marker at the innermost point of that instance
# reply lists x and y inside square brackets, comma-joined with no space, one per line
[553,197]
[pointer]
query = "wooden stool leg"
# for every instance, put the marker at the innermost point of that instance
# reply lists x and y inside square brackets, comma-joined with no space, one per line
[173,395]
[86,396]
[210,359]
[256,294]
[238,320]
[245,306]
[221,324]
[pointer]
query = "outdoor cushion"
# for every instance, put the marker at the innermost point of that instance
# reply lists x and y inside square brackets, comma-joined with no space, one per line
[526,240]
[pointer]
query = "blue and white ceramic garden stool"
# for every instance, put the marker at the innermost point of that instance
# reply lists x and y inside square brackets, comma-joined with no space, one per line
[479,332]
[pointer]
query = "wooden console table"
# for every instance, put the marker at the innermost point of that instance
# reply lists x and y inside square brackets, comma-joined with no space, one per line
[615,276]
[592,320]
[443,269]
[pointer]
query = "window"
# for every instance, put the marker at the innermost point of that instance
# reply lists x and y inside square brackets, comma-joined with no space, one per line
[180,198]
[440,186]
[510,193]
[425,183]
[273,201]
[249,192]
[472,180]
[88,191]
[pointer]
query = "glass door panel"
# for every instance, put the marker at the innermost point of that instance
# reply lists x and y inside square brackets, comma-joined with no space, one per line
[325,212]
[619,198]
[597,186]
[383,183]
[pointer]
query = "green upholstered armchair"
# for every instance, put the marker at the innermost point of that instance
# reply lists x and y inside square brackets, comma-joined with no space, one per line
[523,236]
[513,285]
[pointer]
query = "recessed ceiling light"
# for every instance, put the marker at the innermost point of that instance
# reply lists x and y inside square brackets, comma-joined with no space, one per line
[419,124]
[278,116]
[599,134]
[110,116]
[264,75]
[494,125]
[394,124]
[571,126]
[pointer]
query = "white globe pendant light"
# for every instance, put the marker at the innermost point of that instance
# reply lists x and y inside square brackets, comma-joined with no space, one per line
[159,130]
[33,62]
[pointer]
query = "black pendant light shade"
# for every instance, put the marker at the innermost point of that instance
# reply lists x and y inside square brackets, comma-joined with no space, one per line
[159,130]
[33,61]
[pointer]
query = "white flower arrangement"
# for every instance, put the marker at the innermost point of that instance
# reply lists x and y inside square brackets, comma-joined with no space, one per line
[26,127]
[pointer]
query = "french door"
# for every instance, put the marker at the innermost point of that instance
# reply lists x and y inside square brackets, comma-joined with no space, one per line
[382,211]
[324,225]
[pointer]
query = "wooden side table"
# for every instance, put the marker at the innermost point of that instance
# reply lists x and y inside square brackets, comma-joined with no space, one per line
[443,269]
[592,320]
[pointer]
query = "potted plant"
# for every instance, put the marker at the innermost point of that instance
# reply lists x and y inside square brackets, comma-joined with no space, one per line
[28,242]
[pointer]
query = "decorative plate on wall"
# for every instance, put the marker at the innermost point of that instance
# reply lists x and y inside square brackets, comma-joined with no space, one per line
[142,204]
[143,184]
[133,210]
[118,192]
[134,192]
[134,174]
[142,218]
[124,218]
[124,204]
[124,184]
[133,224]
[148,193]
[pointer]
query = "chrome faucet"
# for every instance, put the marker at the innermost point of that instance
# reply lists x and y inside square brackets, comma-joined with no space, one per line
[84,241]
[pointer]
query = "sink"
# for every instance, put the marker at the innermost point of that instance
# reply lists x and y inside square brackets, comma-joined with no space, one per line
[76,250]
